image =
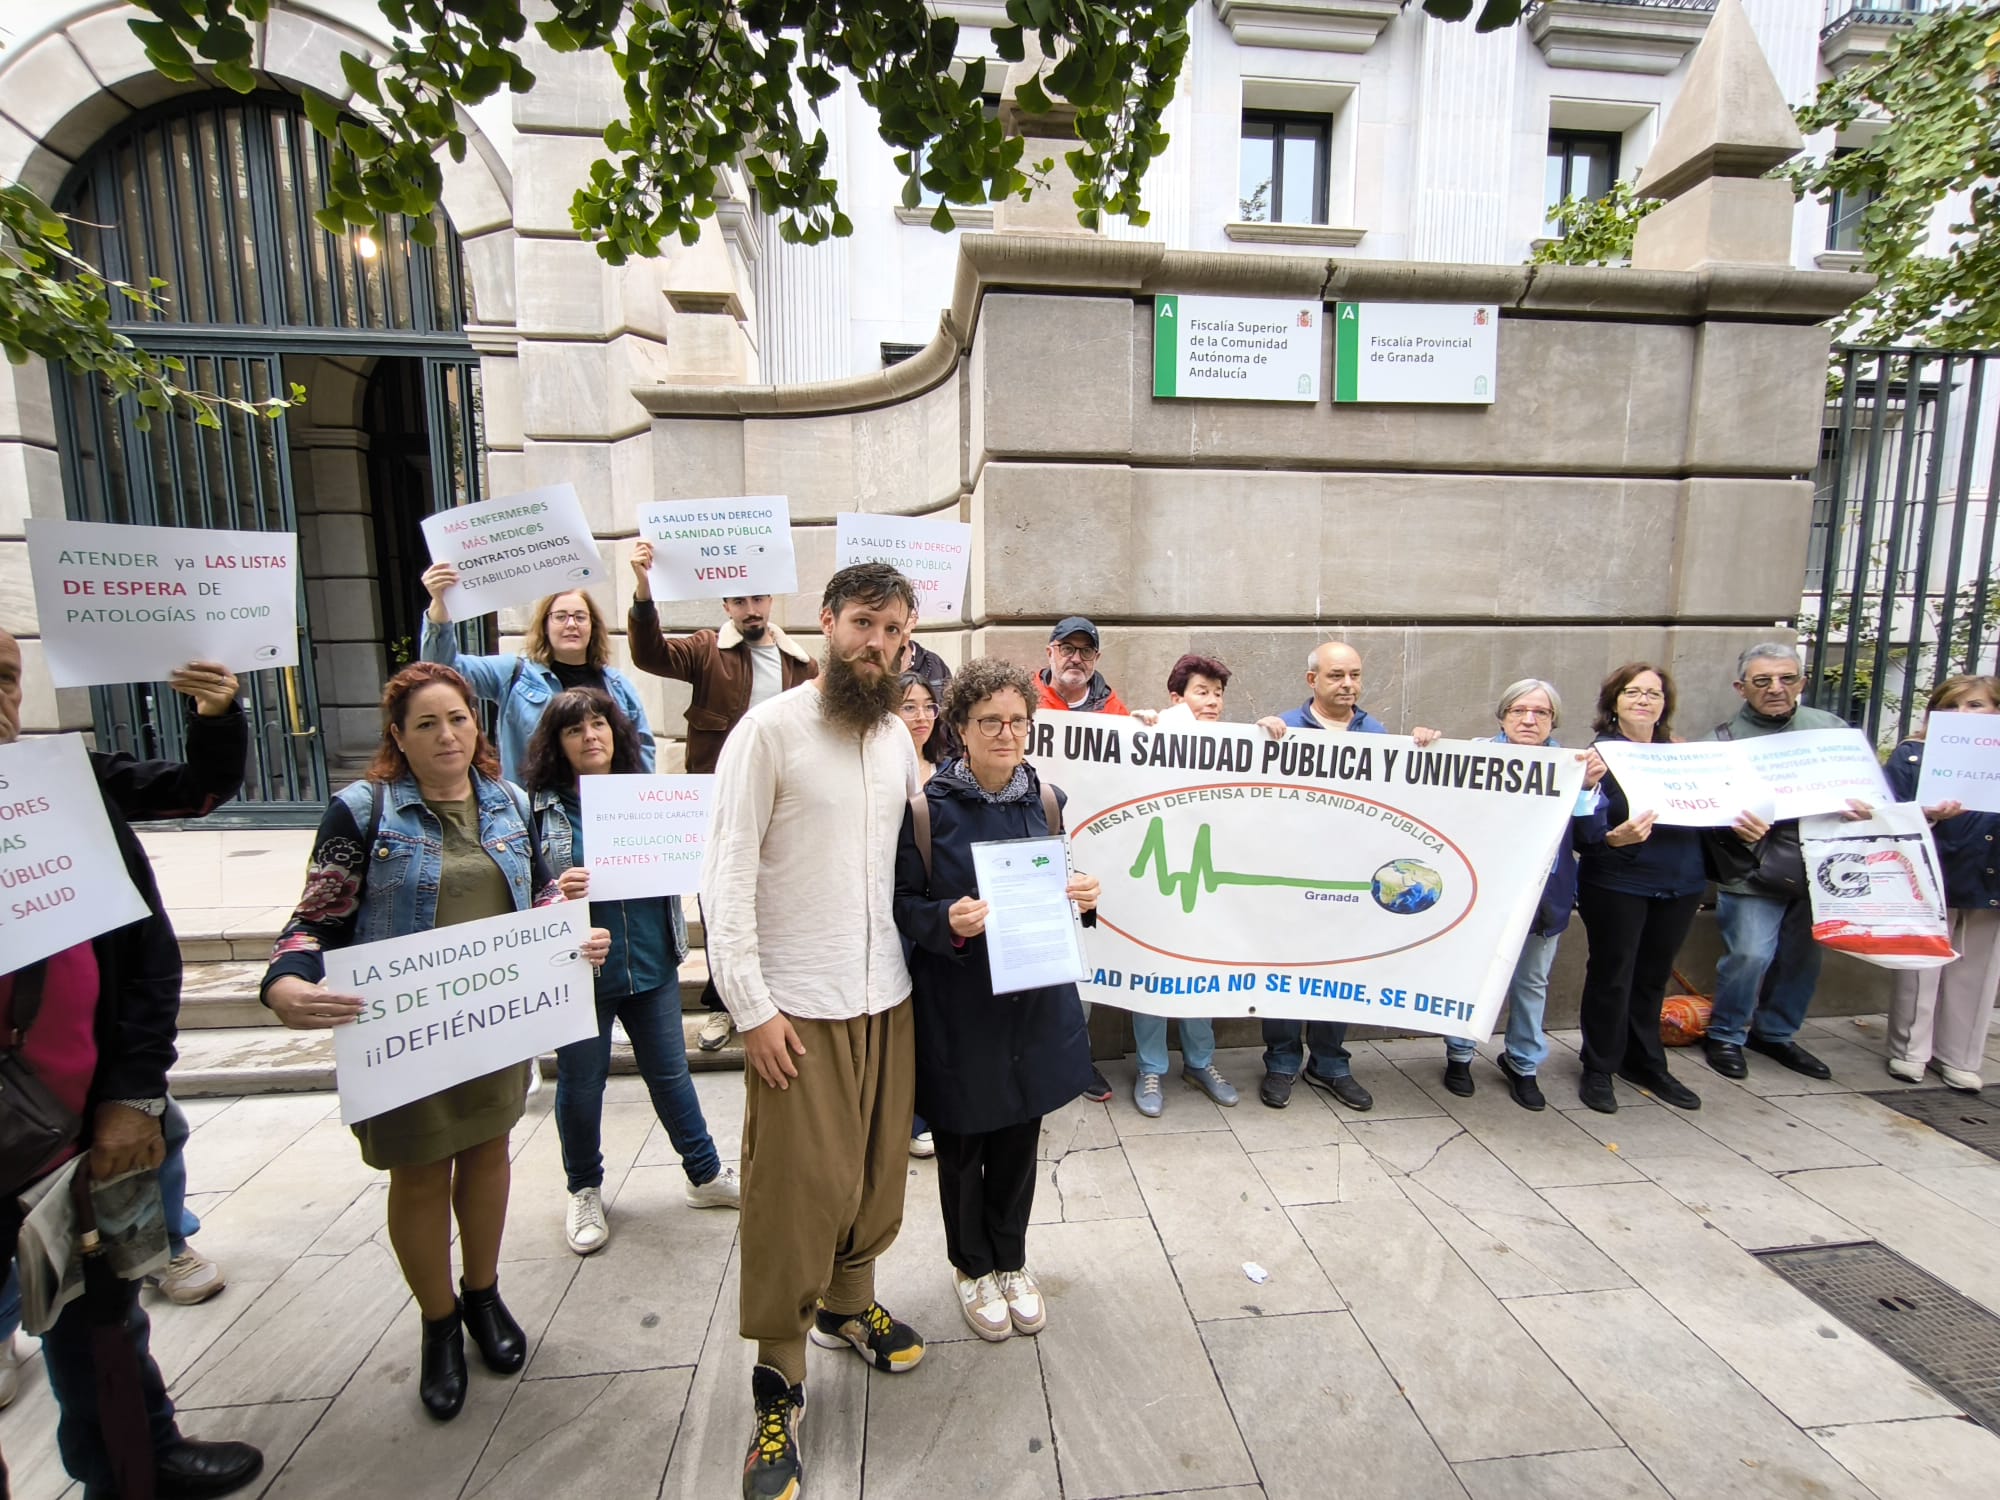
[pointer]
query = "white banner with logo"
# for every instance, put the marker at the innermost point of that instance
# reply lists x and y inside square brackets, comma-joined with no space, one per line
[1339,877]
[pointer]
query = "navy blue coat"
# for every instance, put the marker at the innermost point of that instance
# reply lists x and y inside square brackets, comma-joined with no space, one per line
[1665,866]
[1965,844]
[984,1061]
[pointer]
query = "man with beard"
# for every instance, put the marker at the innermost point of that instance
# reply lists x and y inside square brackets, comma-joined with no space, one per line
[747,662]
[798,889]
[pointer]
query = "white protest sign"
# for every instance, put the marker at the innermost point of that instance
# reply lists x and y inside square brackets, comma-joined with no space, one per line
[1961,761]
[720,549]
[934,555]
[62,879]
[1237,348]
[1421,352]
[459,1002]
[1815,770]
[1704,784]
[1876,889]
[513,550]
[645,835]
[1339,877]
[132,603]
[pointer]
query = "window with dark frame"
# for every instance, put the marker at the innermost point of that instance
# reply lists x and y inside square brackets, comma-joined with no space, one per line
[1581,164]
[1843,214]
[1285,158]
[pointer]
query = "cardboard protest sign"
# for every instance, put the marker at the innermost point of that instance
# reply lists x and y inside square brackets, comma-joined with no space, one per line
[459,1002]
[720,549]
[62,879]
[1876,889]
[934,555]
[514,550]
[645,835]
[1961,761]
[132,603]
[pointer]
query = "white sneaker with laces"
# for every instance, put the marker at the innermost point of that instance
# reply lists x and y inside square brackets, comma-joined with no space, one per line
[723,1190]
[984,1306]
[1906,1069]
[714,1031]
[10,1371]
[189,1278]
[584,1225]
[1025,1308]
[924,1144]
[1958,1078]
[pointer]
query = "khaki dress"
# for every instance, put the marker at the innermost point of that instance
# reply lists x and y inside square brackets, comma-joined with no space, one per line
[437,1126]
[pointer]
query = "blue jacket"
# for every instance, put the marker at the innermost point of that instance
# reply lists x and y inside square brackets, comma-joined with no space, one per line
[1665,866]
[984,1061]
[648,937]
[1559,890]
[523,688]
[1965,844]
[1364,722]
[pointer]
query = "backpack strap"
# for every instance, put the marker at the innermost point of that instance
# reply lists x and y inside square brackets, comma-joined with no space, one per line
[920,825]
[374,816]
[1724,732]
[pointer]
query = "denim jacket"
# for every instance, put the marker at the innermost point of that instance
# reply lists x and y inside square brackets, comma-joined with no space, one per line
[363,891]
[636,927]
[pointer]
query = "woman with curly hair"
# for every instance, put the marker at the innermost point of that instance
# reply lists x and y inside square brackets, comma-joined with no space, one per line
[430,837]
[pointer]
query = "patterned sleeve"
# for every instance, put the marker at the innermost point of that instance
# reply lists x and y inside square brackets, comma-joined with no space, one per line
[326,914]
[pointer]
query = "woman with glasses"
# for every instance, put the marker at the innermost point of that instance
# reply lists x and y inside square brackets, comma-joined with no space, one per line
[565,646]
[1637,888]
[988,1066]
[1529,713]
[919,713]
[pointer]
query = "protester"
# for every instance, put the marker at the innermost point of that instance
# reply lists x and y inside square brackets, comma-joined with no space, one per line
[799,889]
[1529,713]
[931,737]
[1195,688]
[100,1038]
[747,662]
[988,1066]
[566,646]
[1939,1017]
[430,837]
[1764,983]
[583,733]
[1638,884]
[930,668]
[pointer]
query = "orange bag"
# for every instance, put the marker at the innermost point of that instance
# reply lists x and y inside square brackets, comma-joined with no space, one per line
[1684,1018]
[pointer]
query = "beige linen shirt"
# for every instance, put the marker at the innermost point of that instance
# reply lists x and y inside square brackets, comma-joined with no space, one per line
[798,886]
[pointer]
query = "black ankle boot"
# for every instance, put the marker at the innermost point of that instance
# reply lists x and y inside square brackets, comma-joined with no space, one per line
[501,1342]
[441,1373]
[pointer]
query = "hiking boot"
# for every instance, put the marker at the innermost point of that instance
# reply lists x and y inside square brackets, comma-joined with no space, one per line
[889,1346]
[772,1470]
[584,1224]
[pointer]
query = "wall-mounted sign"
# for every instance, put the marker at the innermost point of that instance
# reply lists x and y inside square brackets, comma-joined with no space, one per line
[1436,353]
[1237,348]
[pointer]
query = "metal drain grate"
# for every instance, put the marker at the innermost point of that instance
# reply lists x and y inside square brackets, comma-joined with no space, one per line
[1907,1313]
[1963,1117]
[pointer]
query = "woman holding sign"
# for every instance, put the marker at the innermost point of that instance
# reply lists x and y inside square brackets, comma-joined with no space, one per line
[584,734]
[988,1066]
[1939,1016]
[431,837]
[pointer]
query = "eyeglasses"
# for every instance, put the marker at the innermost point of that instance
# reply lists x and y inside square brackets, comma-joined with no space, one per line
[1644,695]
[569,617]
[991,727]
[1789,679]
[1077,653]
[1530,713]
[918,710]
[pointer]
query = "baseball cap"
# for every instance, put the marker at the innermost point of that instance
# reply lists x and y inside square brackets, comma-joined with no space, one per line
[1076,625]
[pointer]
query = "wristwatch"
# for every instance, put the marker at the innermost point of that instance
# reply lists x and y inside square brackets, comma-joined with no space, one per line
[154,1107]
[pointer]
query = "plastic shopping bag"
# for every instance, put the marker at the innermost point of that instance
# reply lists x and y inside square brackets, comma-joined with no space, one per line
[1876,889]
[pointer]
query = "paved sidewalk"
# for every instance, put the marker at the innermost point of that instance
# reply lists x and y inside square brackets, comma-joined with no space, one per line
[1463,1300]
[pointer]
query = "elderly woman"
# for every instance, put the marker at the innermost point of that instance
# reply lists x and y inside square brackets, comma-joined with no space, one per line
[1529,713]
[430,837]
[566,646]
[1938,1017]
[988,1066]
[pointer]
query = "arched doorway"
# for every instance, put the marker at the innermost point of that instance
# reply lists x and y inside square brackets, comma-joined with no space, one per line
[214,194]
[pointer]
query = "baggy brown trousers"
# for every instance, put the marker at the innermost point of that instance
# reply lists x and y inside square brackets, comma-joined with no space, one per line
[824,1166]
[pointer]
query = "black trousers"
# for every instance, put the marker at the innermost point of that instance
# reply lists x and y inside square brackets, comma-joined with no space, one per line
[986,1186]
[1633,941]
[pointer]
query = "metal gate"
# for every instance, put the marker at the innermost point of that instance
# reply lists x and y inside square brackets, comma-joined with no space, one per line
[1898,588]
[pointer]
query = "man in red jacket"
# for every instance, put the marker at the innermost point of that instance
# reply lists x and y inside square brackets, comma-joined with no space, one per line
[1071,679]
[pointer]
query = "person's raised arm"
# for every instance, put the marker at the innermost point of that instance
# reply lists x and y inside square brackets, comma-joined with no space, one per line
[218,746]
[489,675]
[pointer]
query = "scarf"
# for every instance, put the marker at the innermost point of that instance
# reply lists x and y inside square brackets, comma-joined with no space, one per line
[958,775]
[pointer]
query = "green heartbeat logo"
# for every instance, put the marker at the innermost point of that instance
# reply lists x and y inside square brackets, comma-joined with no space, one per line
[1202,876]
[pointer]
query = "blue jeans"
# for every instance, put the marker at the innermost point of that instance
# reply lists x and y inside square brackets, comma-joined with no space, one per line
[1285,1044]
[10,1304]
[1764,984]
[653,1021]
[1527,1001]
[174,1179]
[1150,1034]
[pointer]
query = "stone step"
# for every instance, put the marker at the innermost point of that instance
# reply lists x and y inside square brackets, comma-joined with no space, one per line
[226,1061]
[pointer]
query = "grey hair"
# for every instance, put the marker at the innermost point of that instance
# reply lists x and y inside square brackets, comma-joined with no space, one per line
[1771,650]
[979,680]
[1515,692]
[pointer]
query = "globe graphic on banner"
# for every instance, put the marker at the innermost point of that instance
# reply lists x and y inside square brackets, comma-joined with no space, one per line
[1407,886]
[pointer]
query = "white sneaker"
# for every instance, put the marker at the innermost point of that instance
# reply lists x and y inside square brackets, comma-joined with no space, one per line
[10,1371]
[923,1145]
[714,1031]
[1958,1078]
[1905,1069]
[1025,1308]
[188,1278]
[584,1225]
[984,1306]
[723,1190]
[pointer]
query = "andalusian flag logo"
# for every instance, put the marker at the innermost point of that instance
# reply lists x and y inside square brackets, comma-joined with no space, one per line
[1166,345]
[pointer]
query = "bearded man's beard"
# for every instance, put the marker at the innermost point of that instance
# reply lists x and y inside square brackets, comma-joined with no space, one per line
[855,701]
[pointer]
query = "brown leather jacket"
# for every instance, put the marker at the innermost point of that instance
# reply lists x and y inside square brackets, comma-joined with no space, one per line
[716,664]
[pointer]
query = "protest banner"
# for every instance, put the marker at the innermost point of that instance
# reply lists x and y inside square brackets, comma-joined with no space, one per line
[1704,784]
[460,1002]
[513,550]
[1877,892]
[62,879]
[1815,770]
[720,549]
[934,555]
[645,835]
[1338,877]
[132,603]
[1961,761]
